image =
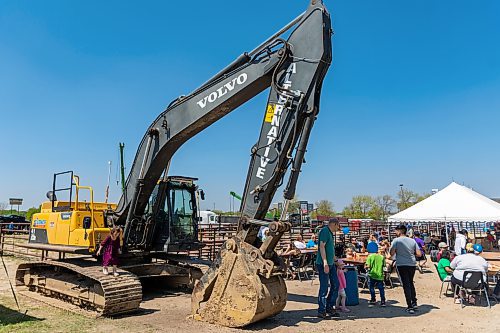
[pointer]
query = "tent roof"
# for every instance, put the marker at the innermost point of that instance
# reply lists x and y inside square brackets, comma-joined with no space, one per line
[453,203]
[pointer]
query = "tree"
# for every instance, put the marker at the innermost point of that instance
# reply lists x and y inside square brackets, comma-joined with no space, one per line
[408,198]
[31,211]
[293,205]
[384,205]
[325,208]
[361,207]
[3,206]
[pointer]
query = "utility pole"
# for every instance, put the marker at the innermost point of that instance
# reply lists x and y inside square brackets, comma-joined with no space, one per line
[107,186]
[122,166]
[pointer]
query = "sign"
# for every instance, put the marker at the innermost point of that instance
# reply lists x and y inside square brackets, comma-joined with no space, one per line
[303,207]
[15,201]
[310,207]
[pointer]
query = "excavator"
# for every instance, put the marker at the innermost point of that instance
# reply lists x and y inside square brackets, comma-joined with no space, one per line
[158,212]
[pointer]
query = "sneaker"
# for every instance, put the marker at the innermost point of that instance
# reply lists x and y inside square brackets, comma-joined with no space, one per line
[410,310]
[344,309]
[372,302]
[332,313]
[458,301]
[382,304]
[115,274]
[414,305]
[323,315]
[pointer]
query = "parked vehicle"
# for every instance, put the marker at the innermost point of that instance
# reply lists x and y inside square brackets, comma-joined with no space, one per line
[12,221]
[208,217]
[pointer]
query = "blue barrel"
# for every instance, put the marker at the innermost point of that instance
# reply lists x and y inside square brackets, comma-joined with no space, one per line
[351,290]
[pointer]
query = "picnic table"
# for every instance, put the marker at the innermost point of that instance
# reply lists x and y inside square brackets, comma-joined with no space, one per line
[491,256]
[360,261]
[493,270]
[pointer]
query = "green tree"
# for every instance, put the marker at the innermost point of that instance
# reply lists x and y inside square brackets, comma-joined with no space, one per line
[361,207]
[325,208]
[293,205]
[31,211]
[408,198]
[383,206]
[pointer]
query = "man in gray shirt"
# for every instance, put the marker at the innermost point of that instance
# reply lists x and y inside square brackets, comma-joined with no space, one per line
[405,249]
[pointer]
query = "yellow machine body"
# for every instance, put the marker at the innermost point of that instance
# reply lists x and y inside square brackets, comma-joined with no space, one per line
[68,227]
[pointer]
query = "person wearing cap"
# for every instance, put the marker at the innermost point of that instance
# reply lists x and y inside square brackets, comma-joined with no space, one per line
[327,272]
[467,262]
[442,247]
[461,242]
[375,264]
[405,249]
[443,266]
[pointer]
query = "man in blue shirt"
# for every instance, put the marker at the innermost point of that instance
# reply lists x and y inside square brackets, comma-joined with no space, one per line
[325,263]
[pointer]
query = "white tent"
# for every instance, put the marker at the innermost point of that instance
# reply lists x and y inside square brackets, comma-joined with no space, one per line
[454,203]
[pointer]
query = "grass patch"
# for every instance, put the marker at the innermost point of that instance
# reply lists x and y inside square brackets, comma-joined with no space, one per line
[43,318]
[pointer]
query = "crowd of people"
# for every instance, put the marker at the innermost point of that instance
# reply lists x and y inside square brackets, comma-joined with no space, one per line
[406,254]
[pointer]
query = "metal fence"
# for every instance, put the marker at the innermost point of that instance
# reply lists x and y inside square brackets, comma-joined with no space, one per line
[13,235]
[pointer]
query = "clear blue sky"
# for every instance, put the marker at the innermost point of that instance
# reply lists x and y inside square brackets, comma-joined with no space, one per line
[413,95]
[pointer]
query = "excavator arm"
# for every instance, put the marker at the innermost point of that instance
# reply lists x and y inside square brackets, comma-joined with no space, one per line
[245,282]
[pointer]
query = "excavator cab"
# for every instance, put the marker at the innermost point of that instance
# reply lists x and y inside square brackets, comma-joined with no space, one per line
[173,212]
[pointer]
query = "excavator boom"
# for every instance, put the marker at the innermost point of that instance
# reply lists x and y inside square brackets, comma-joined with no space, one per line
[245,284]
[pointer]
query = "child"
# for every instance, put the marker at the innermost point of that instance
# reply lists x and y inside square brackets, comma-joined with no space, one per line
[375,264]
[349,253]
[342,284]
[111,246]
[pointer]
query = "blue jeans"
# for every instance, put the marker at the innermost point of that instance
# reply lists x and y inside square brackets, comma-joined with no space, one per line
[380,285]
[327,298]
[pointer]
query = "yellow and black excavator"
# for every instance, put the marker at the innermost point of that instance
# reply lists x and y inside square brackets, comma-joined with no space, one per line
[158,212]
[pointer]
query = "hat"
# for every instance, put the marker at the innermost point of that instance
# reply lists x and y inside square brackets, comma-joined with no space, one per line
[478,248]
[442,245]
[372,247]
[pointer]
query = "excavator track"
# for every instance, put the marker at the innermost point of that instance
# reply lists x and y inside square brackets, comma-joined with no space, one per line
[82,283]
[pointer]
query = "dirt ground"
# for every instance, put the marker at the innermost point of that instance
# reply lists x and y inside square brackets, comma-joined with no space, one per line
[164,311]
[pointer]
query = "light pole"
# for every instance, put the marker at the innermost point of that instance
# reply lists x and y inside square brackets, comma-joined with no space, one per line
[402,197]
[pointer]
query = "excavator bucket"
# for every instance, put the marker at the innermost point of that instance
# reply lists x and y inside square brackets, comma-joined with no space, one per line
[240,288]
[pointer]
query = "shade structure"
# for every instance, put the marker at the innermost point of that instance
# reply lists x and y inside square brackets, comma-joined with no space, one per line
[454,203]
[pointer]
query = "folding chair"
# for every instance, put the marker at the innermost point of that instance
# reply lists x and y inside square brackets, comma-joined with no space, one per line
[473,282]
[443,281]
[304,262]
[312,266]
[496,292]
